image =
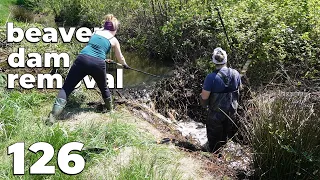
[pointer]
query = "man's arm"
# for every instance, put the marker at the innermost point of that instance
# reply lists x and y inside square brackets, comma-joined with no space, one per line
[206,90]
[205,94]
[204,98]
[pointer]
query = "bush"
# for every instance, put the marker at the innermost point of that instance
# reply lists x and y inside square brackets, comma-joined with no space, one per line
[78,12]
[22,14]
[284,130]
[69,14]
[281,35]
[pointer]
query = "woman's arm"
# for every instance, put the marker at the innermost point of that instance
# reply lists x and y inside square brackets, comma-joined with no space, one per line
[118,53]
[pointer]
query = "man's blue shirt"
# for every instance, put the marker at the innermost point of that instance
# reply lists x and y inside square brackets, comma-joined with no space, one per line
[215,84]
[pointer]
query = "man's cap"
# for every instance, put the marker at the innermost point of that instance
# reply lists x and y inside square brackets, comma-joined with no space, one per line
[219,56]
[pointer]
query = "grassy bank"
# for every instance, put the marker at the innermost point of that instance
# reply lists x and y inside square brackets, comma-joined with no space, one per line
[21,121]
[128,152]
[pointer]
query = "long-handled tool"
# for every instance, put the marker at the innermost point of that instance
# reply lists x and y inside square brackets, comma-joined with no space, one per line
[224,28]
[246,65]
[112,62]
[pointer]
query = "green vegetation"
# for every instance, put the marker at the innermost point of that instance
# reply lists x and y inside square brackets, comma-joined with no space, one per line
[279,36]
[145,165]
[284,132]
[17,109]
[5,10]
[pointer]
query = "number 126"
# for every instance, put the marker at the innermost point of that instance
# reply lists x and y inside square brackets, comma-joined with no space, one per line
[40,167]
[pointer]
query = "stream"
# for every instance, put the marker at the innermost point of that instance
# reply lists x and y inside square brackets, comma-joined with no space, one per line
[138,81]
[134,79]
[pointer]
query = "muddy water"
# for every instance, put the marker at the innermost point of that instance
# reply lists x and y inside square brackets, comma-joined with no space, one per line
[233,155]
[137,79]
[194,129]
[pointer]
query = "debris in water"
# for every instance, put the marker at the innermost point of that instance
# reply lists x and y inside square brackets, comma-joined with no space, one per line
[238,157]
[194,129]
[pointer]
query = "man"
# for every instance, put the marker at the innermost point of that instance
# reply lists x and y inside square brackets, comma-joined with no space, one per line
[220,94]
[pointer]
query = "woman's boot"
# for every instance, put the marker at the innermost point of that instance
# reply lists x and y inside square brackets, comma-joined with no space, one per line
[108,106]
[57,109]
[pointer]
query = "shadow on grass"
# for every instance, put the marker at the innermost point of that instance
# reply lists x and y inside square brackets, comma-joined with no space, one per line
[69,112]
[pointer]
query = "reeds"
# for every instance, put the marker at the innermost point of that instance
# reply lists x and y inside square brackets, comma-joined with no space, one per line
[283,130]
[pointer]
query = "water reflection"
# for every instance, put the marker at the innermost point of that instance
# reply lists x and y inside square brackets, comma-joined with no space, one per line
[132,78]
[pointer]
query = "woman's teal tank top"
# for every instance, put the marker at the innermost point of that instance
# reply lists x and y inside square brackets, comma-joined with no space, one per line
[98,46]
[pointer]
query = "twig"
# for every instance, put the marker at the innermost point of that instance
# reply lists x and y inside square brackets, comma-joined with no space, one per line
[229,118]
[7,19]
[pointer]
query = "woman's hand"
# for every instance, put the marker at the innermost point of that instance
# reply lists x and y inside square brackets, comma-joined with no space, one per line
[125,66]
[109,60]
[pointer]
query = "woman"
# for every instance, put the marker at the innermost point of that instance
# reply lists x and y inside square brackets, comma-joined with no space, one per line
[91,61]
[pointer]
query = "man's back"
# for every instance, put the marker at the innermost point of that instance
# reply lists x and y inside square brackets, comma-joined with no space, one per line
[217,81]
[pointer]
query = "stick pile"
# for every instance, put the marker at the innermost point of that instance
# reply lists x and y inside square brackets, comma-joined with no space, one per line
[178,97]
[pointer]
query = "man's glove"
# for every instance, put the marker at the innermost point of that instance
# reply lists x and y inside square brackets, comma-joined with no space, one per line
[125,66]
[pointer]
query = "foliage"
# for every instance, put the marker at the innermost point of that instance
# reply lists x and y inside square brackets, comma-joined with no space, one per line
[283,131]
[79,12]
[5,11]
[276,34]
[281,35]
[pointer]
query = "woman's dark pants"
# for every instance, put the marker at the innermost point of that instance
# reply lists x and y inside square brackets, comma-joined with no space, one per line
[82,66]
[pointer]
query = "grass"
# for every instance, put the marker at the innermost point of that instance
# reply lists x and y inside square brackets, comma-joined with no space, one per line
[284,130]
[5,10]
[22,113]
[146,164]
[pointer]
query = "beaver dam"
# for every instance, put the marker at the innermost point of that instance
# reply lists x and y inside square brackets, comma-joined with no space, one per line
[171,104]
